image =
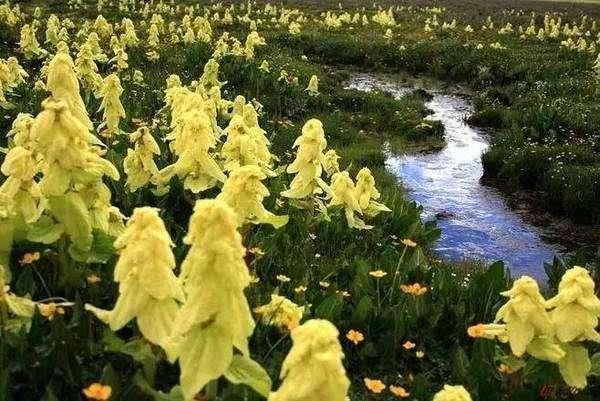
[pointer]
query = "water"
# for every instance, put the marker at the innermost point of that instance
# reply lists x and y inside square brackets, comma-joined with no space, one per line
[479,223]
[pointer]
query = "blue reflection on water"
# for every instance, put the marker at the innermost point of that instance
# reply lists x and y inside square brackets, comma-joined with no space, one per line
[480,223]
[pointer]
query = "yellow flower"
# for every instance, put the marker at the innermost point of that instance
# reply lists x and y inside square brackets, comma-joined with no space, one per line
[355,337]
[283,278]
[300,289]
[330,162]
[93,279]
[399,391]
[324,284]
[244,192]
[313,86]
[308,163]
[374,385]
[281,312]
[524,314]
[408,345]
[413,289]
[29,258]
[98,392]
[420,354]
[313,368]
[367,194]
[576,308]
[111,106]
[50,310]
[343,193]
[452,393]
[139,163]
[409,243]
[378,273]
[148,288]
[215,318]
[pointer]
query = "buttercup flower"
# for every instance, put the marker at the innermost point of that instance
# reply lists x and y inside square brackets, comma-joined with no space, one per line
[374,385]
[355,337]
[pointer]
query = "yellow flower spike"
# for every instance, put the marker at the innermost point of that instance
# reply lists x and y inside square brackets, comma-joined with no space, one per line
[308,163]
[245,145]
[281,313]
[313,86]
[343,193]
[452,393]
[193,140]
[216,318]
[29,43]
[313,368]
[111,106]
[148,289]
[86,68]
[252,40]
[20,195]
[524,314]
[576,308]
[244,192]
[330,162]
[367,194]
[63,84]
[139,163]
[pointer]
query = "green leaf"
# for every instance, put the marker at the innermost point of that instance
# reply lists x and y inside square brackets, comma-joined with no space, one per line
[45,230]
[244,370]
[71,211]
[102,248]
[330,308]
[174,395]
[595,359]
[138,349]
[363,310]
[575,366]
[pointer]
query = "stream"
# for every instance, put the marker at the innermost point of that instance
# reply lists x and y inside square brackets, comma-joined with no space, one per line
[476,221]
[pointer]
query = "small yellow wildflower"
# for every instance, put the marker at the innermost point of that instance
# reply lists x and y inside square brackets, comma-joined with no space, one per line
[415,289]
[378,273]
[257,251]
[324,284]
[399,391]
[375,386]
[93,279]
[408,345]
[283,278]
[300,289]
[420,354]
[409,243]
[97,391]
[354,336]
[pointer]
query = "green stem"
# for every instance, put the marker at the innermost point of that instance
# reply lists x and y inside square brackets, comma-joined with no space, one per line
[390,293]
[211,390]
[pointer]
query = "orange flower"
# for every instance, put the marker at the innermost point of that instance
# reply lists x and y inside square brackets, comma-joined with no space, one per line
[415,289]
[29,258]
[476,331]
[355,336]
[409,243]
[50,310]
[399,391]
[97,391]
[375,386]
[408,345]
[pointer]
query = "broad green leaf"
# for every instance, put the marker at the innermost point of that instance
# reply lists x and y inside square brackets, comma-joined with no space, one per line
[45,230]
[330,308]
[244,370]
[71,211]
[595,359]
[138,349]
[575,366]
[174,395]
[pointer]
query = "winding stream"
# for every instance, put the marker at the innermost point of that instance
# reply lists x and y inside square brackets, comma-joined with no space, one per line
[477,222]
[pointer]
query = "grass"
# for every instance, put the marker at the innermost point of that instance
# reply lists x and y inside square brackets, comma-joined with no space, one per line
[56,359]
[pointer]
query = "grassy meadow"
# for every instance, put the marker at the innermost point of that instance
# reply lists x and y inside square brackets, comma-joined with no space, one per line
[117,184]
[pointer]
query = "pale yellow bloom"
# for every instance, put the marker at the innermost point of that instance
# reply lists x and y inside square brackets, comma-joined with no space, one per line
[313,368]
[374,385]
[111,106]
[148,289]
[244,192]
[281,312]
[452,393]
[355,337]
